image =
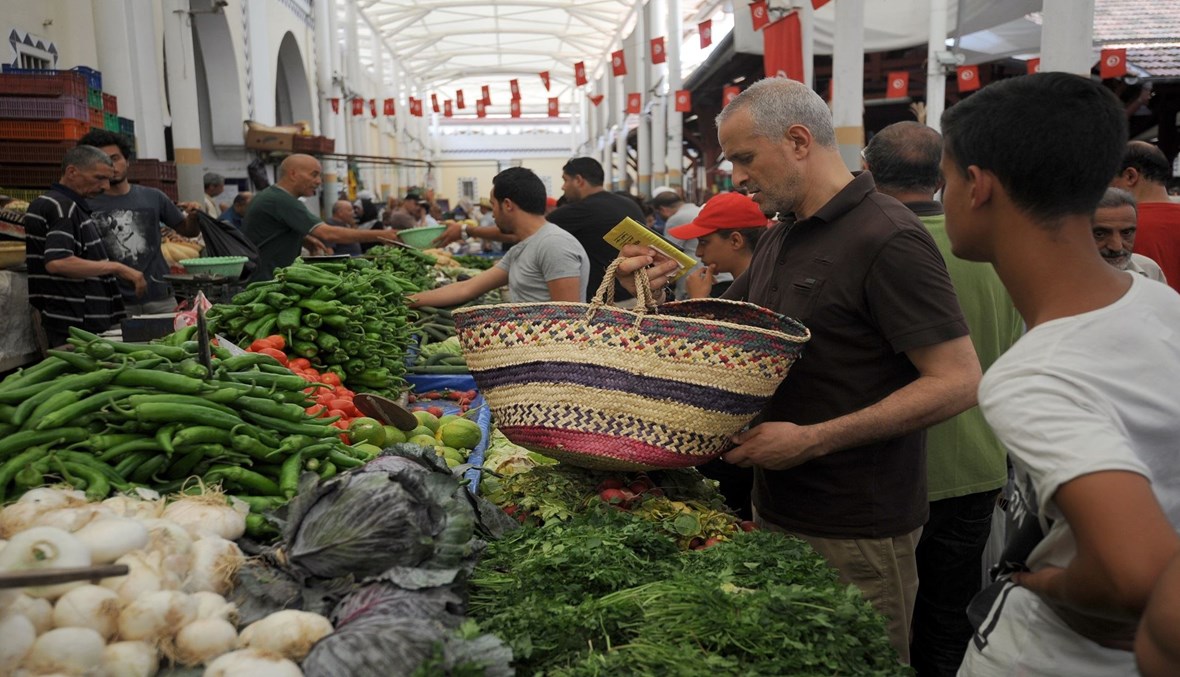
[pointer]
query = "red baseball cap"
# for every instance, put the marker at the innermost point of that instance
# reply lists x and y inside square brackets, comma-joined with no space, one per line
[724,211]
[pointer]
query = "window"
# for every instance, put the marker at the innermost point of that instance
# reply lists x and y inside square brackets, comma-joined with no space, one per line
[468,189]
[32,61]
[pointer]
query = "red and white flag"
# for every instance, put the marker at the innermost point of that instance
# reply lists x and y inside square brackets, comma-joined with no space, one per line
[481,109]
[554,107]
[459,100]
[514,108]
[618,64]
[390,108]
[580,73]
[487,95]
[968,77]
[816,4]
[1113,63]
[782,48]
[335,104]
[634,103]
[899,85]
[596,98]
[729,94]
[416,107]
[759,14]
[447,110]
[1033,65]
[373,108]
[358,106]
[683,101]
[545,79]
[705,29]
[657,50]
[434,102]
[514,85]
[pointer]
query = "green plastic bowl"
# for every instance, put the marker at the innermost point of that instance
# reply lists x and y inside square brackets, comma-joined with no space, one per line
[229,266]
[421,238]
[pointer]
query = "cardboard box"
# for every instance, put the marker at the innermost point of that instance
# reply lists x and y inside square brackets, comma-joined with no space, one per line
[266,139]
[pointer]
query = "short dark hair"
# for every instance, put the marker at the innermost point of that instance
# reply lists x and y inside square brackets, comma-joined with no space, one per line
[904,157]
[523,187]
[100,138]
[1149,160]
[586,167]
[241,198]
[667,199]
[1053,140]
[751,235]
[84,157]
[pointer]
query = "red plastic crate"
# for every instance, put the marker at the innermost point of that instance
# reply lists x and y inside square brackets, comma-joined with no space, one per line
[44,83]
[36,108]
[33,152]
[30,176]
[96,118]
[43,130]
[110,103]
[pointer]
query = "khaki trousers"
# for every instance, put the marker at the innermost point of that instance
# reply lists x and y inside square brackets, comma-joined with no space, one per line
[885,570]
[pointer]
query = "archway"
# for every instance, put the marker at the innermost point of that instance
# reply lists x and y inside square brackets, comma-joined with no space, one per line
[293,99]
[219,77]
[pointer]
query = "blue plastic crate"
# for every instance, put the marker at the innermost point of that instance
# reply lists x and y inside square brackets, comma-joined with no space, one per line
[126,126]
[93,77]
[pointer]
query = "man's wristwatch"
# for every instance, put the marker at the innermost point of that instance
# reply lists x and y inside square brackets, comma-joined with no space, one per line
[463,230]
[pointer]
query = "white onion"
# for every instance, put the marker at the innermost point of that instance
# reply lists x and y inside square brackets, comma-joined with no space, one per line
[213,605]
[253,663]
[130,659]
[130,506]
[44,548]
[18,636]
[156,616]
[207,514]
[74,651]
[200,642]
[71,519]
[88,606]
[109,538]
[288,633]
[146,575]
[36,609]
[214,564]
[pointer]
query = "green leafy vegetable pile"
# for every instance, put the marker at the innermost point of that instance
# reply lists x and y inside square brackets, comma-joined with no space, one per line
[606,592]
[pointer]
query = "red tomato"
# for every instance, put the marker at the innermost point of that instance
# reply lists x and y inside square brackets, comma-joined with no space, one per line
[337,412]
[341,391]
[300,363]
[277,354]
[325,398]
[311,374]
[276,341]
[258,346]
[316,410]
[330,378]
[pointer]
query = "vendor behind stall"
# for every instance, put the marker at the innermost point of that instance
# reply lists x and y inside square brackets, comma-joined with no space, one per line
[548,264]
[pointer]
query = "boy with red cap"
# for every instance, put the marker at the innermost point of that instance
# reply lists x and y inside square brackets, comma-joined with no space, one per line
[726,230]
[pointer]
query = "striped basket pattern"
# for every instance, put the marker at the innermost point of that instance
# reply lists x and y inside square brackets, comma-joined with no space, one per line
[609,388]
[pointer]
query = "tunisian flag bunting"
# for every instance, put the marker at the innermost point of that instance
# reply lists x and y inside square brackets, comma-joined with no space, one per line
[899,85]
[389,107]
[358,106]
[481,109]
[434,102]
[705,29]
[447,110]
[759,14]
[335,104]
[514,85]
[1113,63]
[487,95]
[554,107]
[968,78]
[459,100]
[617,64]
[545,79]
[514,108]
[580,73]
[416,107]
[782,48]
[657,50]
[634,103]
[596,99]
[1033,65]
[729,94]
[683,101]
[816,4]
[373,108]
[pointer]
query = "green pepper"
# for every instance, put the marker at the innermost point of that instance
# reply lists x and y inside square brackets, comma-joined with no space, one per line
[279,301]
[312,319]
[265,328]
[335,321]
[77,360]
[322,307]
[328,342]
[289,319]
[289,474]
[306,334]
[305,349]
[308,275]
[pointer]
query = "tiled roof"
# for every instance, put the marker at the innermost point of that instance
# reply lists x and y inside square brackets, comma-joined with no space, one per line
[1150,31]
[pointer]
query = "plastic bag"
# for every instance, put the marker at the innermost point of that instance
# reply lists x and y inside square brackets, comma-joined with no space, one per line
[223,239]
[187,317]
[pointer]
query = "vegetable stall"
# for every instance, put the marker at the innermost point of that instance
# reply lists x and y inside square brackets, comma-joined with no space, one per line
[268,527]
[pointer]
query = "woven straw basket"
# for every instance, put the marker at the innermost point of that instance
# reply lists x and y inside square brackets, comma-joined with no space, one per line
[604,387]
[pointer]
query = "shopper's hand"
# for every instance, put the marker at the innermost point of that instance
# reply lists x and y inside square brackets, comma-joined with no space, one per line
[189,206]
[135,277]
[1041,581]
[316,246]
[774,446]
[659,268]
[453,233]
[699,283]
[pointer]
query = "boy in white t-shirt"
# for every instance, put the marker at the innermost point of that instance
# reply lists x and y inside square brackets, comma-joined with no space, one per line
[1086,402]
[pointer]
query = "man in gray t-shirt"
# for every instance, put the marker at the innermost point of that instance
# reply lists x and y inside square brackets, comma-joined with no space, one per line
[547,264]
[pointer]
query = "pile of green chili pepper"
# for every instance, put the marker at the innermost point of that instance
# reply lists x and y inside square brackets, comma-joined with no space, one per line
[349,318]
[113,416]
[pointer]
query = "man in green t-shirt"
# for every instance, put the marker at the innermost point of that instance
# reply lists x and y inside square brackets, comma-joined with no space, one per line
[280,224]
[966,465]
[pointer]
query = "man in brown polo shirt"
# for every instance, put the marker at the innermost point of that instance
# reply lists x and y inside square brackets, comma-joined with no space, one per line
[839,454]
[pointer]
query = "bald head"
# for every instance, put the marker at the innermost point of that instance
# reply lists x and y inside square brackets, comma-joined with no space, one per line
[904,158]
[342,211]
[299,175]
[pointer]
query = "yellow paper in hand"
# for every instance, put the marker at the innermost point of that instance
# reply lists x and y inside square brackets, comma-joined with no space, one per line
[630,231]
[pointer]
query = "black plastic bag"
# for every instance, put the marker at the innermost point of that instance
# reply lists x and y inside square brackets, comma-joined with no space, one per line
[257,172]
[223,239]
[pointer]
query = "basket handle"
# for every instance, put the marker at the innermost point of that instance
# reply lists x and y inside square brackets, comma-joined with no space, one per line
[605,296]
